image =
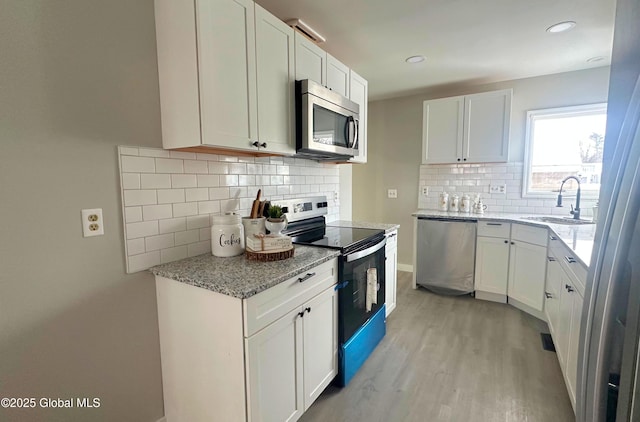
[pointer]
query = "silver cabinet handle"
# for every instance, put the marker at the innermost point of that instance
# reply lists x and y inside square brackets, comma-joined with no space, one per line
[306,277]
[548,295]
[392,235]
[570,259]
[551,259]
[569,288]
[553,238]
[494,224]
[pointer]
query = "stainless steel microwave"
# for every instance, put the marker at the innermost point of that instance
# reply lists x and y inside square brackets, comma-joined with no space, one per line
[326,123]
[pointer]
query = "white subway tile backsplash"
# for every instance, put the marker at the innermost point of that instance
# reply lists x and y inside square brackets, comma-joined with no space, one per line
[132,214]
[198,222]
[132,164]
[155,181]
[154,152]
[142,229]
[185,209]
[135,246]
[139,197]
[172,225]
[190,236]
[162,241]
[169,165]
[184,181]
[131,180]
[143,261]
[195,166]
[156,212]
[170,196]
[209,180]
[197,194]
[194,249]
[173,254]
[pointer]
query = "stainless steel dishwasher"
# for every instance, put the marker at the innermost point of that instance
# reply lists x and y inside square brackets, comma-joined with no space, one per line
[445,255]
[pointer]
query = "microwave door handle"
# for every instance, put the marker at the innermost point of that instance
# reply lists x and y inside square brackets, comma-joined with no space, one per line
[356,136]
[347,131]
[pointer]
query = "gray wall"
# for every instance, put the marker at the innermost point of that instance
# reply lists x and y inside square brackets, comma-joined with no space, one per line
[77,78]
[395,141]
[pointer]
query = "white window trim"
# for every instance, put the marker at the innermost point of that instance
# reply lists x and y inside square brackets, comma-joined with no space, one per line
[532,115]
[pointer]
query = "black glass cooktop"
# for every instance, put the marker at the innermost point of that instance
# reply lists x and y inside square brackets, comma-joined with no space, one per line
[337,237]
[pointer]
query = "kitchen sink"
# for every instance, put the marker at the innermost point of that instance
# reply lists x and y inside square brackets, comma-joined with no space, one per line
[559,220]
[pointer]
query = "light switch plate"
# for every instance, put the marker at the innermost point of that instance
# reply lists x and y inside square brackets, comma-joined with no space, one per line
[392,193]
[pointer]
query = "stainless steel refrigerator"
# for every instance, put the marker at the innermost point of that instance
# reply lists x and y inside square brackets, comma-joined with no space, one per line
[609,359]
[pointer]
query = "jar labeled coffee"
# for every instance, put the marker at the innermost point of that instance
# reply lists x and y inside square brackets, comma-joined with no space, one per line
[227,235]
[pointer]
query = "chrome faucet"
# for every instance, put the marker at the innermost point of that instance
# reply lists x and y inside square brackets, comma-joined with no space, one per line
[574,211]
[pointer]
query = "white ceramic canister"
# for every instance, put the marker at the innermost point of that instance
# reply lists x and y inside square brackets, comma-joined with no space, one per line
[253,226]
[443,205]
[227,235]
[454,202]
[465,203]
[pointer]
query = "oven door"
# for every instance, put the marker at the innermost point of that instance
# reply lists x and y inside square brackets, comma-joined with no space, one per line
[352,297]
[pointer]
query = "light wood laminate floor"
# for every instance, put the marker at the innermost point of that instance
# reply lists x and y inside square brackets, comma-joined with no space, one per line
[454,359]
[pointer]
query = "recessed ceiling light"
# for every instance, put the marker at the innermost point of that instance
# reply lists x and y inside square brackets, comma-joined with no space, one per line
[415,59]
[561,27]
[595,59]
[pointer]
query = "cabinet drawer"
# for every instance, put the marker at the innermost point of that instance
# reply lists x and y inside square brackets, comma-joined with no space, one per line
[266,307]
[494,229]
[529,234]
[569,263]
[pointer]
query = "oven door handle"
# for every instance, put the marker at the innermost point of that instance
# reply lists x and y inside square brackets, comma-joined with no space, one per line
[361,254]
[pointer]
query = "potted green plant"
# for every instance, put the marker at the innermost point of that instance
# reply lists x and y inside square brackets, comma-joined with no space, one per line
[276,222]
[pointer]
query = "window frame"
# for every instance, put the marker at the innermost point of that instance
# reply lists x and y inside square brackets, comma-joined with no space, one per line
[532,116]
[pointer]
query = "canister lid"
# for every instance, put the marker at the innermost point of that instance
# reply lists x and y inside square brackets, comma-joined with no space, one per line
[225,220]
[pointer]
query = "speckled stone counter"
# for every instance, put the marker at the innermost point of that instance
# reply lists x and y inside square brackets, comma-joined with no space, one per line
[365,225]
[578,238]
[239,277]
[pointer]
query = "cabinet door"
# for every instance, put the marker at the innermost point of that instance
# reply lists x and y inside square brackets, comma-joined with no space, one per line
[227,72]
[359,93]
[574,339]
[487,118]
[311,60]
[337,76]
[391,272]
[527,270]
[552,294]
[442,132]
[274,378]
[492,265]
[564,322]
[320,338]
[275,66]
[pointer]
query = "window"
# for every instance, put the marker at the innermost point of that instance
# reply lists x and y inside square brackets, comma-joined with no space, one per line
[561,142]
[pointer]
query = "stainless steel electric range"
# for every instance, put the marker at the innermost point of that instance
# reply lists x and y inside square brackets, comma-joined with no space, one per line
[361,282]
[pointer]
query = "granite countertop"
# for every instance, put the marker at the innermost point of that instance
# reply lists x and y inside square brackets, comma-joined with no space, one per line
[365,225]
[237,276]
[578,238]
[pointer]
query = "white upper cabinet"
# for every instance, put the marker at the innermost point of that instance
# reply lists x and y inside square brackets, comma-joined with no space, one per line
[337,76]
[467,129]
[275,76]
[227,68]
[311,60]
[209,52]
[442,130]
[359,93]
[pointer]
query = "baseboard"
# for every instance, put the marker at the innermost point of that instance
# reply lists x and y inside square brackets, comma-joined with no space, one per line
[405,267]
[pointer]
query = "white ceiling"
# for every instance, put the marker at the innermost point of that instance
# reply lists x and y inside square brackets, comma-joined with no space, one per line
[465,41]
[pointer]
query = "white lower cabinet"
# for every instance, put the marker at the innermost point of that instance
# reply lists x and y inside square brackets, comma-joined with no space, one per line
[552,294]
[264,358]
[291,361]
[527,273]
[391,271]
[492,267]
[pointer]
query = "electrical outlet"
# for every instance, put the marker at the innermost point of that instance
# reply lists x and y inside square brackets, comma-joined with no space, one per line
[498,189]
[424,191]
[336,196]
[392,193]
[92,224]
